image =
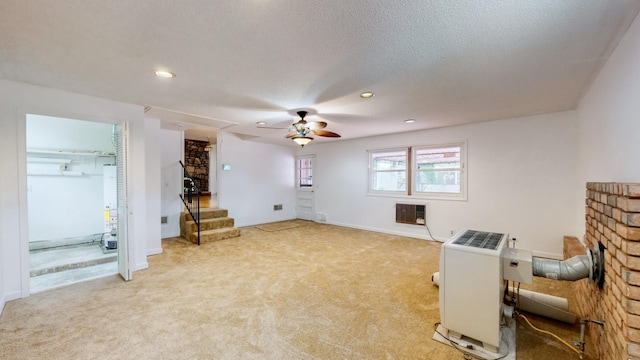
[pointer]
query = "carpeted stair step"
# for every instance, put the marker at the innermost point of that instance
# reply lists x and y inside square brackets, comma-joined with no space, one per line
[208,213]
[214,235]
[210,224]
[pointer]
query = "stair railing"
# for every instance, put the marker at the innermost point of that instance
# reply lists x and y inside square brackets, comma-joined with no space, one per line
[190,188]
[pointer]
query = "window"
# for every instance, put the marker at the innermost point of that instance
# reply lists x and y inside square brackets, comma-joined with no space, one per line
[388,171]
[434,171]
[304,171]
[437,170]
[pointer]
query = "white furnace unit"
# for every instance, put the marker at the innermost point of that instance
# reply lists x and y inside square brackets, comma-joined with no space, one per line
[472,286]
[475,268]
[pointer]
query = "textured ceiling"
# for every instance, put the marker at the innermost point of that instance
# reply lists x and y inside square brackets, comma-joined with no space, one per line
[441,62]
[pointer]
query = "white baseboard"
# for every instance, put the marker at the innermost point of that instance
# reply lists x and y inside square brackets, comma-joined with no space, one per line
[154,251]
[260,222]
[542,254]
[387,231]
[141,266]
[171,235]
[8,297]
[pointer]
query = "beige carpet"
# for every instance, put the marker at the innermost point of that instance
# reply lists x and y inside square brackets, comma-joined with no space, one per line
[310,292]
[283,225]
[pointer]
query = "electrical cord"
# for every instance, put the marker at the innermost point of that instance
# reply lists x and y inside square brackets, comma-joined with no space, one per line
[429,231]
[549,333]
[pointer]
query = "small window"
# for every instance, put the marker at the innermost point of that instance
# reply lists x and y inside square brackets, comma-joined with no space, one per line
[388,171]
[438,170]
[305,172]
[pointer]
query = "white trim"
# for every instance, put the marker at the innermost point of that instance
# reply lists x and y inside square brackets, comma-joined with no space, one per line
[390,232]
[462,195]
[154,251]
[171,234]
[23,214]
[140,266]
[370,172]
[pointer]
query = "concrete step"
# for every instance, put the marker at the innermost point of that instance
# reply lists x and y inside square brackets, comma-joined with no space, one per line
[214,235]
[210,224]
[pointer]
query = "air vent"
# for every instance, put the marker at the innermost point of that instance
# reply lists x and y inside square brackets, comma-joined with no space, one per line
[411,214]
[479,239]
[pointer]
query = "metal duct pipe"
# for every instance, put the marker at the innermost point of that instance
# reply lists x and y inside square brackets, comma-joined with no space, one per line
[575,268]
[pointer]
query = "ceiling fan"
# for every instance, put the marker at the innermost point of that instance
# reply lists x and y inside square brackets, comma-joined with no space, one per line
[302,129]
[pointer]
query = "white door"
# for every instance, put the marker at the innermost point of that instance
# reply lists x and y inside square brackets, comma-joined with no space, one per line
[121,174]
[305,198]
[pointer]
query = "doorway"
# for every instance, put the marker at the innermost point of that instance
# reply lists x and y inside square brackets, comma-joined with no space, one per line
[305,196]
[72,201]
[201,158]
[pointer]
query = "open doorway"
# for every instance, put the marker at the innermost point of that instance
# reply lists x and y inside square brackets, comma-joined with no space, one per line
[200,158]
[72,201]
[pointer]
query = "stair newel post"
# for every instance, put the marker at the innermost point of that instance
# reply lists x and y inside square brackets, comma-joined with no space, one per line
[198,222]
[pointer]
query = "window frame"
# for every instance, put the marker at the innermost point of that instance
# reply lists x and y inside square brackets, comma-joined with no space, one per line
[298,173]
[371,172]
[462,195]
[411,173]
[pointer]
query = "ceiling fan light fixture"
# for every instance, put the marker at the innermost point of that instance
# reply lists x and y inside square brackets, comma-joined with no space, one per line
[367,95]
[302,140]
[164,74]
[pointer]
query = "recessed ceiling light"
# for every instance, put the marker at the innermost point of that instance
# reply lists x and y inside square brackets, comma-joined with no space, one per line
[367,95]
[410,121]
[261,123]
[163,74]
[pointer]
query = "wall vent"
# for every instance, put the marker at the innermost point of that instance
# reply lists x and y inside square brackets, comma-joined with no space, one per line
[414,214]
[277,207]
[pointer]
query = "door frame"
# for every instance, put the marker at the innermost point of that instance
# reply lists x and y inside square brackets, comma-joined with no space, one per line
[25,268]
[305,195]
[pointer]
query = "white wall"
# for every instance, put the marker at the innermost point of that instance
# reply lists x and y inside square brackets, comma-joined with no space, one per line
[520,181]
[213,170]
[17,100]
[261,175]
[153,188]
[59,206]
[609,122]
[171,151]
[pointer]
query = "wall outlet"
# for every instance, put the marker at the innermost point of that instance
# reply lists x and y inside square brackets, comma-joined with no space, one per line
[452,232]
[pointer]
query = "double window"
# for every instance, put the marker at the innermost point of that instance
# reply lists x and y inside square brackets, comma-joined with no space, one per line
[434,171]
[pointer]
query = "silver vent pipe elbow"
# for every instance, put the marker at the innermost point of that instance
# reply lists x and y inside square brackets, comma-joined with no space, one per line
[575,268]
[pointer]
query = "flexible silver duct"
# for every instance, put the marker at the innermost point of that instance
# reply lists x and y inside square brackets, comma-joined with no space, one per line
[572,269]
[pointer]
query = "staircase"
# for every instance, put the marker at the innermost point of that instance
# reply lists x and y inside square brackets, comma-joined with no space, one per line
[214,225]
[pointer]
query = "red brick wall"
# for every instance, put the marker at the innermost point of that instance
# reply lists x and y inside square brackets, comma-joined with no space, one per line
[613,219]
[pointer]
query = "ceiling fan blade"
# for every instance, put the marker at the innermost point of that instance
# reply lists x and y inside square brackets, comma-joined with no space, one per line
[325,133]
[290,135]
[315,125]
